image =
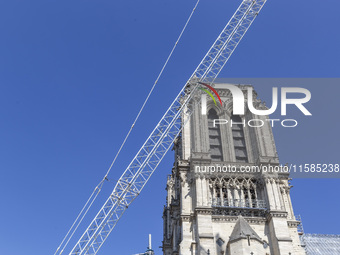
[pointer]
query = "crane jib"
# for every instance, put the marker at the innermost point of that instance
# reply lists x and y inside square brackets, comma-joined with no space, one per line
[169,127]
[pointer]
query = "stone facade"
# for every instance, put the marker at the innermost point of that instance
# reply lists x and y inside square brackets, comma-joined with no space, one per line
[206,205]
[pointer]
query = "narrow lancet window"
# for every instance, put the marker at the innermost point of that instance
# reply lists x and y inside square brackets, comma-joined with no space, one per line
[238,139]
[214,137]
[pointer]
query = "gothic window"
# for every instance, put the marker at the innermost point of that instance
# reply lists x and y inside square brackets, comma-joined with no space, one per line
[238,139]
[230,193]
[214,137]
[249,197]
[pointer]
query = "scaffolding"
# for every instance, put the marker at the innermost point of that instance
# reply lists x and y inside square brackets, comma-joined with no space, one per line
[300,226]
[149,250]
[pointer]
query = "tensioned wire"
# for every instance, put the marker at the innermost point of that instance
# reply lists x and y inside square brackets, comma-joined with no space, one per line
[97,189]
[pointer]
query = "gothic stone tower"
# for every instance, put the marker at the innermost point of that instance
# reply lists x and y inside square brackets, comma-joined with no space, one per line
[224,213]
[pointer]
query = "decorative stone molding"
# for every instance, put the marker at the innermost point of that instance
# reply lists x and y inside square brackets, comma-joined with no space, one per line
[203,210]
[170,183]
[268,160]
[285,189]
[220,218]
[293,224]
[200,156]
[270,180]
[276,214]
[206,236]
[224,93]
[183,177]
[234,182]
[245,212]
[233,219]
[186,218]
[183,164]
[284,239]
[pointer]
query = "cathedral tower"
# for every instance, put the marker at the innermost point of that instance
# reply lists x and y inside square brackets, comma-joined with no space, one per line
[219,199]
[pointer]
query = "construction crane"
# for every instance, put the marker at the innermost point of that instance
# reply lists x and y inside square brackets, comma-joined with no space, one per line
[139,171]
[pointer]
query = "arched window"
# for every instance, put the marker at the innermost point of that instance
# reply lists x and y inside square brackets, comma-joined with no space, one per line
[238,139]
[214,137]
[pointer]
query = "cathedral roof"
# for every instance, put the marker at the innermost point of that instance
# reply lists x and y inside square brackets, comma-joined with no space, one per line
[242,230]
[317,244]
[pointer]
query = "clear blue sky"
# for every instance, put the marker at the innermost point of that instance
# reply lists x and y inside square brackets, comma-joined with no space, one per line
[73,75]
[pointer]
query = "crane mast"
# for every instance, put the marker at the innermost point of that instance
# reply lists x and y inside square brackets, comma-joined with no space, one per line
[138,172]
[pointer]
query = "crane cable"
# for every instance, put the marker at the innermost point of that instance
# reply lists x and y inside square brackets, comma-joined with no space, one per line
[93,196]
[153,87]
[97,189]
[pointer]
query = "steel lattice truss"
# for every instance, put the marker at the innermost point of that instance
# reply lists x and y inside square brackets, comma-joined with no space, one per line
[161,139]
